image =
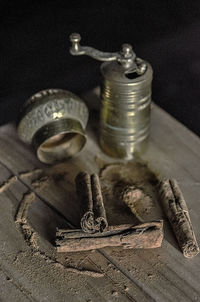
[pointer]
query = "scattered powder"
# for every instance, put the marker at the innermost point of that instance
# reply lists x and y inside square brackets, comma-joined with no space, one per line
[136,184]
[33,174]
[41,183]
[5,185]
[114,293]
[31,237]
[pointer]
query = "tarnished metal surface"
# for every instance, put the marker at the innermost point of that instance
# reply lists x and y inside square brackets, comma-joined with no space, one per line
[125,111]
[126,98]
[54,122]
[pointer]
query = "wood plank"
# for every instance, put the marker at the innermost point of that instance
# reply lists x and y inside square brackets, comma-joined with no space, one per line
[154,275]
[37,278]
[11,290]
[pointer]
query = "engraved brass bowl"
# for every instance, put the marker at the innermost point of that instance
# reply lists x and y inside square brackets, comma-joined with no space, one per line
[53,121]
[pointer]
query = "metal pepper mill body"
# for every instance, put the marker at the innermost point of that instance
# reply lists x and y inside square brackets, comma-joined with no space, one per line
[125,99]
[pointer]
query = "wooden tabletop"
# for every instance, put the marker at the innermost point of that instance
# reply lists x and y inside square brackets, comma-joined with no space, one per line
[36,198]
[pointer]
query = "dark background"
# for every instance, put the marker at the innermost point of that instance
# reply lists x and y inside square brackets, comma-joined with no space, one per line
[34,49]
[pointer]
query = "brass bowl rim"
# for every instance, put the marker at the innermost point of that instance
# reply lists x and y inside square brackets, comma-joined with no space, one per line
[60,151]
[33,116]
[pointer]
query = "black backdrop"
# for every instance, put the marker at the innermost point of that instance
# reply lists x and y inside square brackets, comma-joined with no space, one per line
[34,49]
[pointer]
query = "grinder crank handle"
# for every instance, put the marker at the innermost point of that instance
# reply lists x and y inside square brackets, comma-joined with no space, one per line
[126,57]
[77,50]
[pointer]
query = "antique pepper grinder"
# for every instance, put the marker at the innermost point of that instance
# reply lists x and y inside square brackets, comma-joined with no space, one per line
[125,99]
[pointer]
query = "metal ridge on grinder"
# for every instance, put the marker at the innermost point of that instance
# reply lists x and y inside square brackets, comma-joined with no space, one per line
[53,121]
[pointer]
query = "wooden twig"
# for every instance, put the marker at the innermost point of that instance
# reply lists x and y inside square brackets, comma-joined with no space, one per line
[177,212]
[146,235]
[93,214]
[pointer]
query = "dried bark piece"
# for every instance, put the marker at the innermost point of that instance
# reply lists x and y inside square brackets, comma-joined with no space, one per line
[78,233]
[177,212]
[146,235]
[84,193]
[93,214]
[100,219]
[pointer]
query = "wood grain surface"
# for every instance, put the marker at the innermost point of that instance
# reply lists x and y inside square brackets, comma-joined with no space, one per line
[35,199]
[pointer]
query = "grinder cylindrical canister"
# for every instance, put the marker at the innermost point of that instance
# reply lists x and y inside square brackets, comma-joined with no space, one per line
[125,99]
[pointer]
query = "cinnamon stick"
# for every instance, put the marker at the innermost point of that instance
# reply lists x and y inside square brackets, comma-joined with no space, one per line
[146,235]
[133,197]
[84,193]
[93,214]
[177,212]
[100,219]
